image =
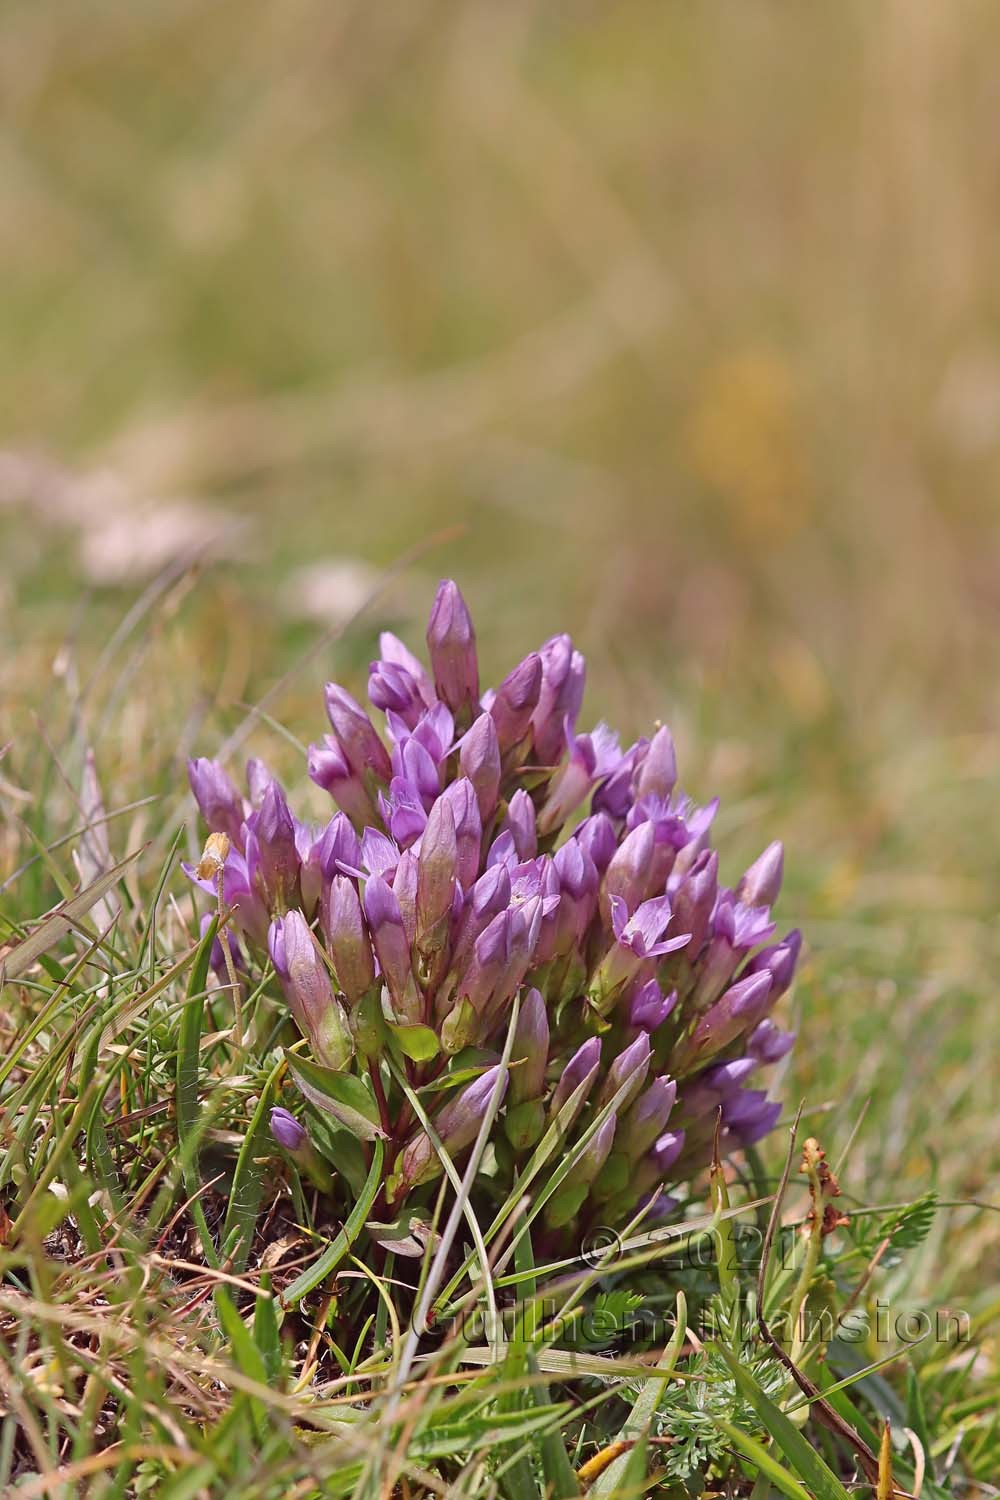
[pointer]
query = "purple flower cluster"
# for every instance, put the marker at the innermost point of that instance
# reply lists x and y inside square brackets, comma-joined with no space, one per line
[484,849]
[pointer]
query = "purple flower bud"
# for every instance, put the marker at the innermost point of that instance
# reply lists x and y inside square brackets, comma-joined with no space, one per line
[649,1007]
[354,731]
[525,925]
[491,954]
[768,1043]
[578,884]
[630,1066]
[628,873]
[693,898]
[576,870]
[530,1050]
[394,651]
[438,861]
[502,853]
[762,882]
[657,772]
[488,897]
[647,1118]
[468,829]
[456,1126]
[392,687]
[519,822]
[582,1067]
[328,768]
[217,957]
[725,1078]
[779,961]
[570,784]
[259,778]
[287,1131]
[404,888]
[275,856]
[750,1115]
[348,939]
[596,836]
[308,991]
[559,698]
[738,1011]
[514,702]
[385,923]
[219,803]
[594,1154]
[451,641]
[479,760]
[667,1149]
[459,1121]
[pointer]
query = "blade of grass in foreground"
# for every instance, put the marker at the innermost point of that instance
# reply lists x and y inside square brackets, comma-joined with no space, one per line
[340,1246]
[54,927]
[822,1482]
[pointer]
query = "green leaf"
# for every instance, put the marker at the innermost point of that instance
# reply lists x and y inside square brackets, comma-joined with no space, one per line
[342,1095]
[188,1043]
[341,1148]
[764,1461]
[62,920]
[246,1356]
[419,1043]
[636,1475]
[910,1226]
[637,1422]
[560,1481]
[266,1334]
[797,1449]
[339,1248]
[248,1179]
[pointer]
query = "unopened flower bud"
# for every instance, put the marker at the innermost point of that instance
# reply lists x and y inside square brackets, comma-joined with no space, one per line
[362,748]
[630,1066]
[308,991]
[479,760]
[451,641]
[514,702]
[348,940]
[287,1130]
[437,864]
[519,822]
[219,803]
[581,1069]
[468,829]
[762,882]
[647,1118]
[657,772]
[277,855]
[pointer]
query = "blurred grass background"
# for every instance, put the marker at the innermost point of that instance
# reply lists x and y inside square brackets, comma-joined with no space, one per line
[674,326]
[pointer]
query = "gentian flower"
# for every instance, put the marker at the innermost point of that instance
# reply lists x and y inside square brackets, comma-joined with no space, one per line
[491,849]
